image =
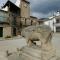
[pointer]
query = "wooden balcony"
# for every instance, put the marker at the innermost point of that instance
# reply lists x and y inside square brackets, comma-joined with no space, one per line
[4,19]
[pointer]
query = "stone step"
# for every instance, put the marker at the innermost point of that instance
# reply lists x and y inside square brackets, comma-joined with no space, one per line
[26,56]
[32,52]
[32,49]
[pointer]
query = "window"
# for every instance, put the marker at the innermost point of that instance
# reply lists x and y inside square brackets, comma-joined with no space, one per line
[57,20]
[57,29]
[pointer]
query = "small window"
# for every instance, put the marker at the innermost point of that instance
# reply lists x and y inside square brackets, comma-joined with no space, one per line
[57,21]
[57,29]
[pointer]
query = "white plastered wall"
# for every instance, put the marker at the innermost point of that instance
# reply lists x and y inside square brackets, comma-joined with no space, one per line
[51,24]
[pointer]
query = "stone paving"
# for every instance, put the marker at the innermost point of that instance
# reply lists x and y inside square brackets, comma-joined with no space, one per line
[56,42]
[11,45]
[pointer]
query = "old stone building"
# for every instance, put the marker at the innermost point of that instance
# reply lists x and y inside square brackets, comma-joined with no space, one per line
[8,18]
[24,19]
[13,12]
[4,25]
[16,18]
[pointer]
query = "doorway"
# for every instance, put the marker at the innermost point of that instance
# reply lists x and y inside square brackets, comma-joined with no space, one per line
[1,31]
[14,31]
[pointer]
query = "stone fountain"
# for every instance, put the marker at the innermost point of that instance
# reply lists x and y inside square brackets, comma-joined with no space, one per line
[33,51]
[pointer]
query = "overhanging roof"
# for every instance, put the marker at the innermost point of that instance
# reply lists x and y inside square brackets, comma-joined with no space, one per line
[26,1]
[11,5]
[33,17]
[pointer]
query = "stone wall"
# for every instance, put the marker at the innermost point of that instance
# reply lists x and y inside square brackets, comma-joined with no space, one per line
[7,31]
[25,9]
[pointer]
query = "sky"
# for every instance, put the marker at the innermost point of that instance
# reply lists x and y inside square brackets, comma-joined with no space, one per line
[41,8]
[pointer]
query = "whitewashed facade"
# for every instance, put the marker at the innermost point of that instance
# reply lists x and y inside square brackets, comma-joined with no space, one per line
[52,22]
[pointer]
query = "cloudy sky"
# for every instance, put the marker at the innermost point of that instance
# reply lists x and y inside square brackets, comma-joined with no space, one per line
[41,8]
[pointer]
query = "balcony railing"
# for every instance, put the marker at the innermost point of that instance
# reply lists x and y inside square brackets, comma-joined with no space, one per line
[3,19]
[56,24]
